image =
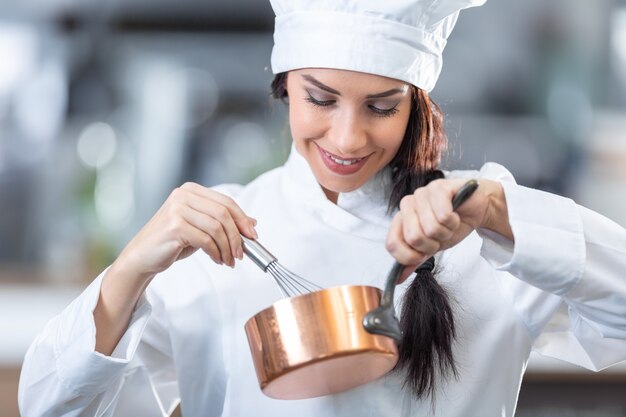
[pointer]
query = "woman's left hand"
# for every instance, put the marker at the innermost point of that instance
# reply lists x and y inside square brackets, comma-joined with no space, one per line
[427,224]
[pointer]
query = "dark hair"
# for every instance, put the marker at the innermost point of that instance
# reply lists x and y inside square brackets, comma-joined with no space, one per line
[427,319]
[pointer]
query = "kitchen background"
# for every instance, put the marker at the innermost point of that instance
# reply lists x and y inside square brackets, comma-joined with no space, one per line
[105,106]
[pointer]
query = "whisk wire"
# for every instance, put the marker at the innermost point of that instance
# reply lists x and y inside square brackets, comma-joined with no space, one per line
[288,283]
[283,290]
[298,281]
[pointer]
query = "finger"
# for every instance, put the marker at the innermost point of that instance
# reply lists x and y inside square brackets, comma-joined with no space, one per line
[223,215]
[441,203]
[432,227]
[213,228]
[398,248]
[412,231]
[443,213]
[233,237]
[195,237]
[244,222]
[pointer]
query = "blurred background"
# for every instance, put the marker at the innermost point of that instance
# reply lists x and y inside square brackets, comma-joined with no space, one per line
[107,105]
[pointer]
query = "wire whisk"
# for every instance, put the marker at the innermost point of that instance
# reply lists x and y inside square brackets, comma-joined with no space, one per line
[288,283]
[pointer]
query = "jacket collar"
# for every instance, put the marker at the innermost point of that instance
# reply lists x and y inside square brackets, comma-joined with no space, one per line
[362,212]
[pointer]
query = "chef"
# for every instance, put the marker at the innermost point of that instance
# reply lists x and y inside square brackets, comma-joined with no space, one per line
[521,270]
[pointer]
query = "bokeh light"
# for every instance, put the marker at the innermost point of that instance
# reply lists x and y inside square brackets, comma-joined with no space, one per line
[96,145]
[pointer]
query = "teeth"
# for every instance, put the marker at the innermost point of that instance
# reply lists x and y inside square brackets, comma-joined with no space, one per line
[344,162]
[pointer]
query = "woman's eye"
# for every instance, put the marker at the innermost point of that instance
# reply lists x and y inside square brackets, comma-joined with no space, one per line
[316,102]
[384,112]
[378,111]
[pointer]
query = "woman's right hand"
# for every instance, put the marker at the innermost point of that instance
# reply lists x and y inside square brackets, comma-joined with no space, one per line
[193,217]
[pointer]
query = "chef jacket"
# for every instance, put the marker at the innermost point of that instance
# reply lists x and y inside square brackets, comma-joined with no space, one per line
[559,289]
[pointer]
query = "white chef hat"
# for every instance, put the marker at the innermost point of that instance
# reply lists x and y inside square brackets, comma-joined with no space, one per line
[402,39]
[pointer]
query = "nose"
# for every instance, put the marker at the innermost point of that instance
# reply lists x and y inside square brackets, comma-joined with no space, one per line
[348,134]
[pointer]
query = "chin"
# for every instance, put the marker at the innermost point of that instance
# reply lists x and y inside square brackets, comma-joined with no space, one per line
[341,186]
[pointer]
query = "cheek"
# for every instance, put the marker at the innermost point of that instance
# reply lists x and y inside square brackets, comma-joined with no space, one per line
[389,133]
[306,123]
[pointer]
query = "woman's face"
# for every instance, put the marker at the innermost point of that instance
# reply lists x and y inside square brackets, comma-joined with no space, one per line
[347,125]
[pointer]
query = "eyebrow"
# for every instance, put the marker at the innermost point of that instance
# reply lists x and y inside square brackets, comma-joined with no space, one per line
[319,84]
[387,93]
[331,90]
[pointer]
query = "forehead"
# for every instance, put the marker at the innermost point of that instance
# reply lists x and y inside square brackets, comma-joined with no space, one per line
[348,80]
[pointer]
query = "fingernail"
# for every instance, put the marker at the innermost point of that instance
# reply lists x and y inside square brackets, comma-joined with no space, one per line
[254,233]
[240,253]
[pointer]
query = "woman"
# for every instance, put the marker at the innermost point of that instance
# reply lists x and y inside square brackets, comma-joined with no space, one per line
[165,322]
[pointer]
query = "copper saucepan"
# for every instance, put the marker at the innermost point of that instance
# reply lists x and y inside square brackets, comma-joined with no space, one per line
[327,341]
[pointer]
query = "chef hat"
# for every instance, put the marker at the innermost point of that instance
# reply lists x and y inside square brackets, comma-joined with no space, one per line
[402,39]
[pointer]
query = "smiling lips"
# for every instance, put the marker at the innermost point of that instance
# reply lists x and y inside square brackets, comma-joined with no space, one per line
[339,165]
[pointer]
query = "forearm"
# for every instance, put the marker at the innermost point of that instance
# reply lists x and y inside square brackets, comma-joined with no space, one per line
[497,216]
[600,294]
[119,293]
[62,374]
[576,254]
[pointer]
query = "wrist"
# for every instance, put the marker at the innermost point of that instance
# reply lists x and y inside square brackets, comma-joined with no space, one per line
[119,292]
[124,270]
[496,216]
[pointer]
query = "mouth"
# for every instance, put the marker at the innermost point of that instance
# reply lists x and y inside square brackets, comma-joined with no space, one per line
[341,166]
[340,161]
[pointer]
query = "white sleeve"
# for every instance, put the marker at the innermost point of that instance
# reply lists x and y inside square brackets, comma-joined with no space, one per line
[63,375]
[578,259]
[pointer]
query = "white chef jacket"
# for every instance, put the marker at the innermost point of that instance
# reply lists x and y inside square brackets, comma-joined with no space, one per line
[186,340]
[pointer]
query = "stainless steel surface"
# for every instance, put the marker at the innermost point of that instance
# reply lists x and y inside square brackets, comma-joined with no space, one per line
[289,283]
[257,253]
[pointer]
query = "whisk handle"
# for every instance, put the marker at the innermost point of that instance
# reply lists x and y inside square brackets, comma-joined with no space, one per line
[257,253]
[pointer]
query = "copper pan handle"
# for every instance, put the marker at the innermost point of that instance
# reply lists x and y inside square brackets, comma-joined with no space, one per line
[382,320]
